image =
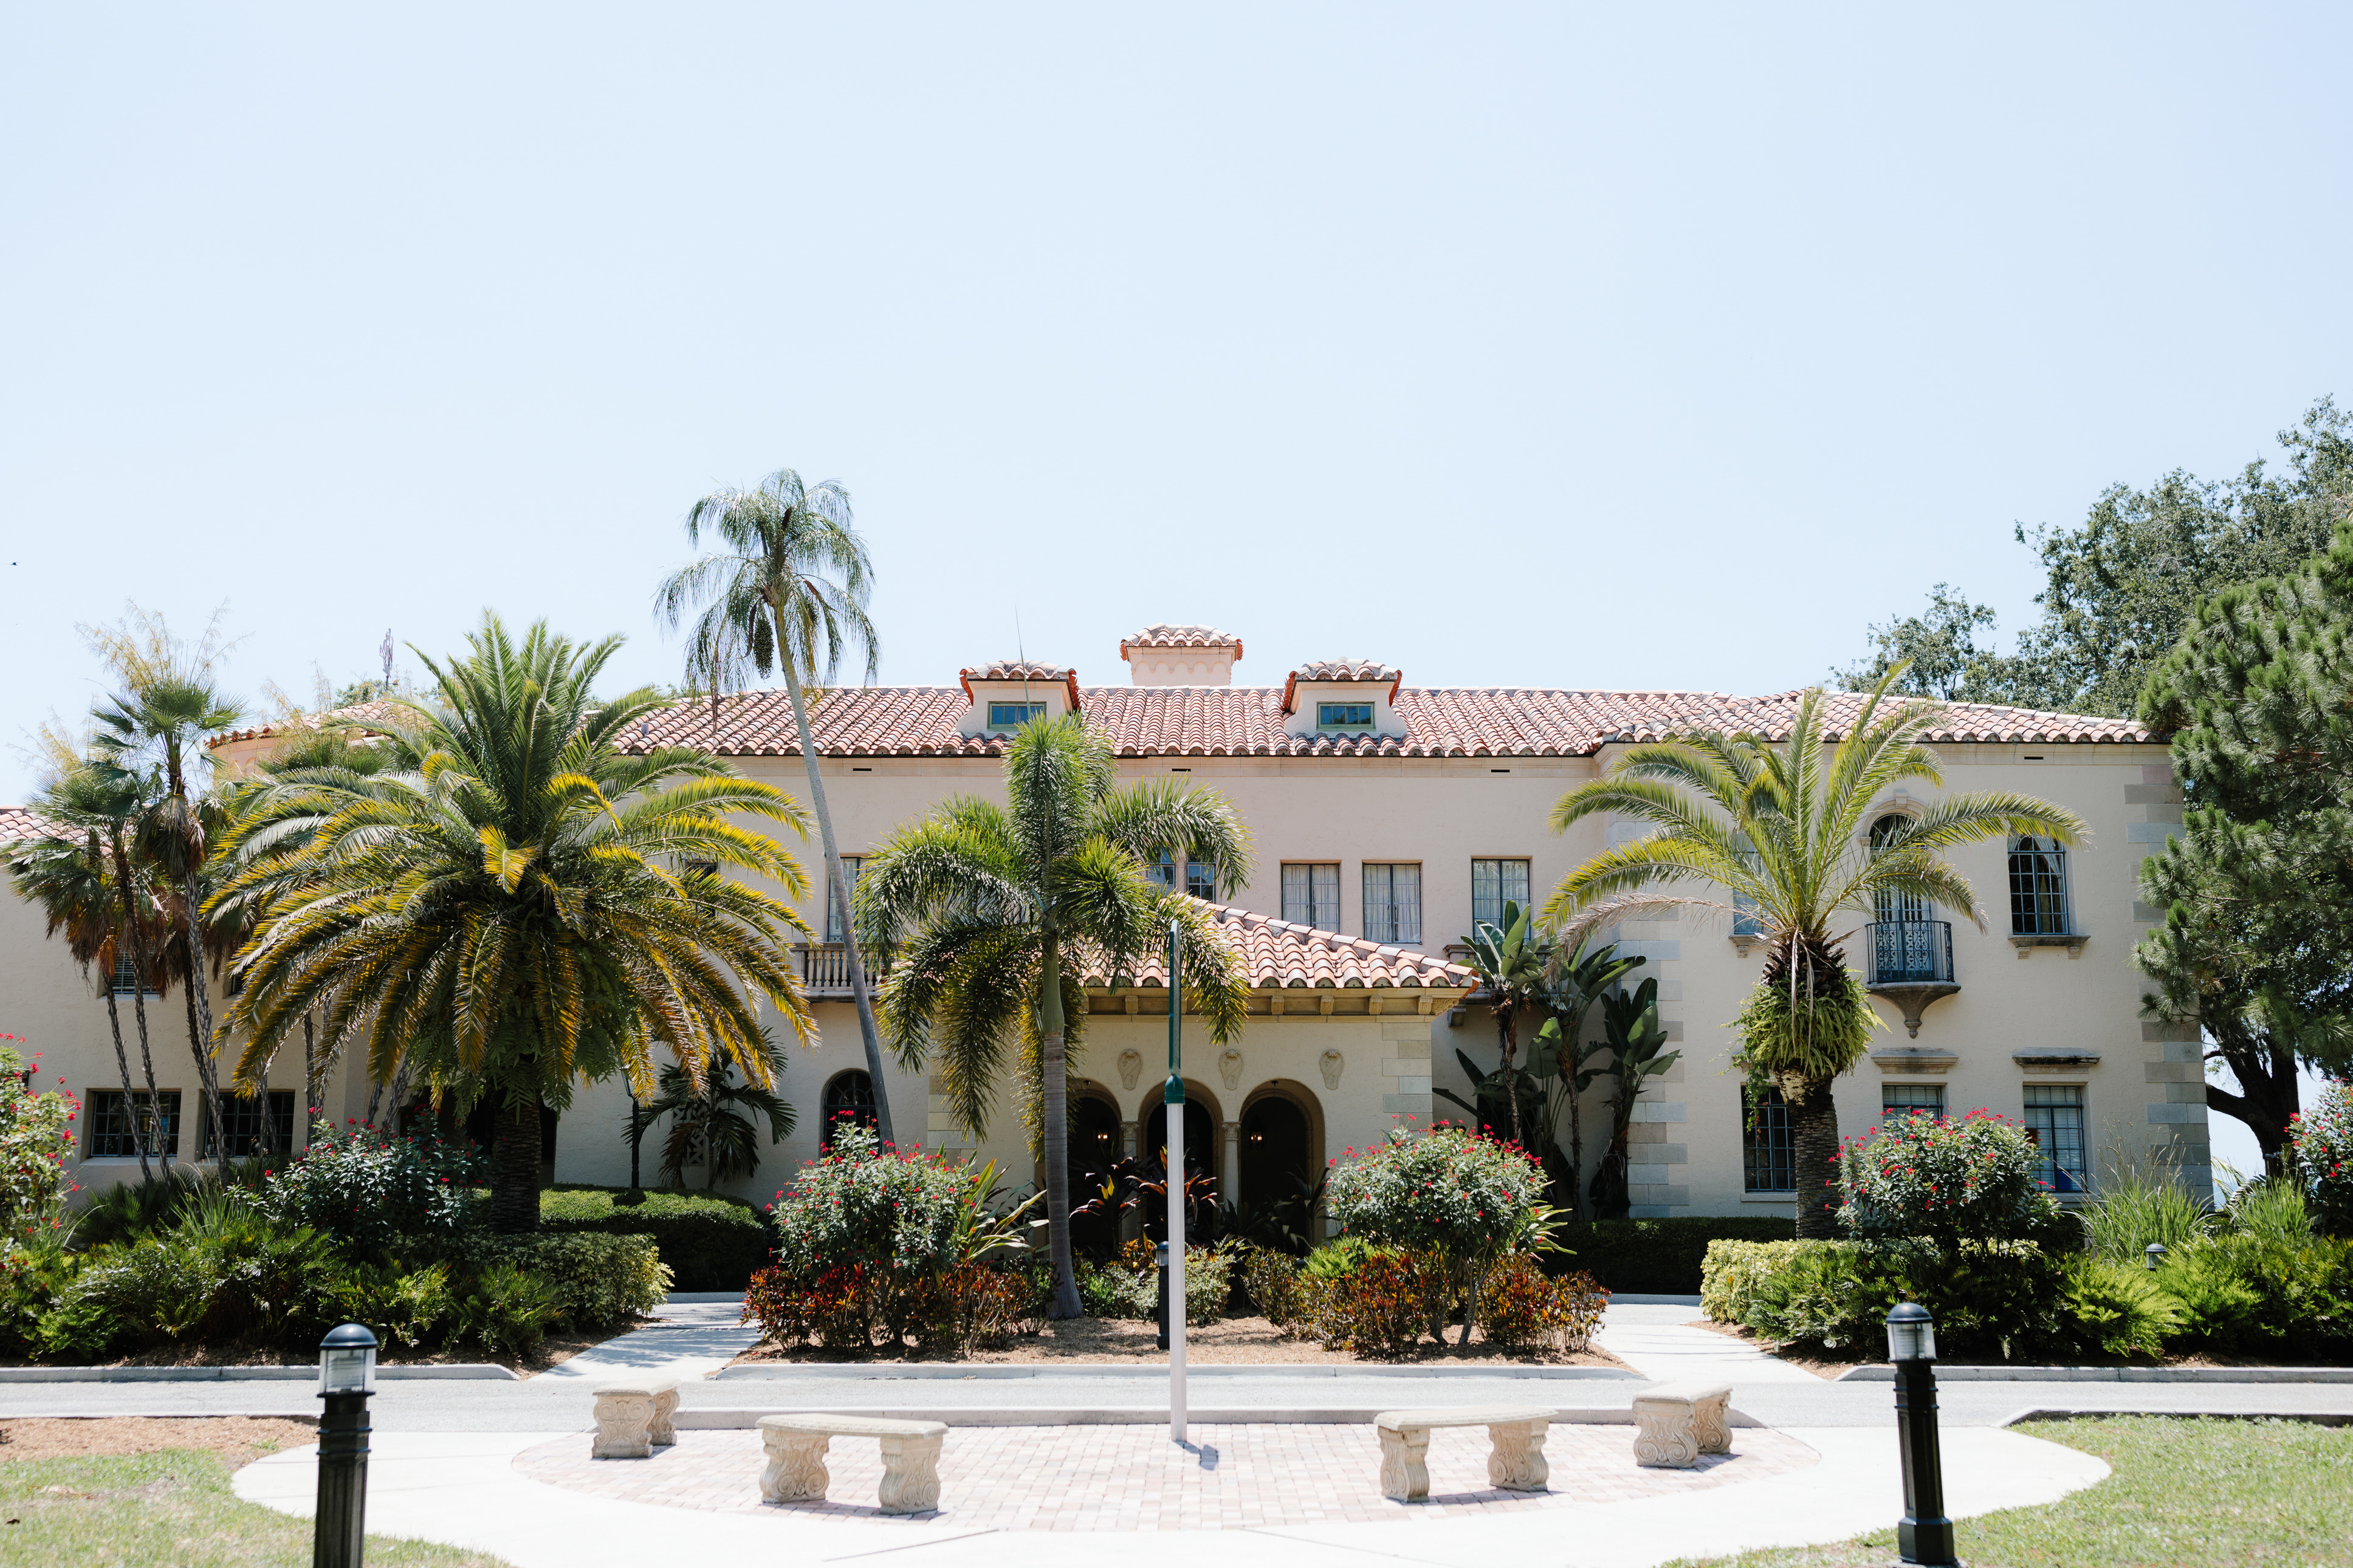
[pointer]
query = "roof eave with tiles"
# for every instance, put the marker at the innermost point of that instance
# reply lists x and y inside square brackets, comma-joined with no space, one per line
[19,823]
[1279,955]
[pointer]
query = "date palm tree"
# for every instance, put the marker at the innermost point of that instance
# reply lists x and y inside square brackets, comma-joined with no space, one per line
[1001,907]
[787,592]
[1781,825]
[502,919]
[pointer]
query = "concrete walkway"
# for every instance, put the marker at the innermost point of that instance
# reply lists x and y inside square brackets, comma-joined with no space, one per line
[463,1489]
[1653,1340]
[696,1335]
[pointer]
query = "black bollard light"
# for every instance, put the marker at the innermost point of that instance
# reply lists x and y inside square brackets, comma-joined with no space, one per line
[1160,1315]
[1925,1535]
[346,1379]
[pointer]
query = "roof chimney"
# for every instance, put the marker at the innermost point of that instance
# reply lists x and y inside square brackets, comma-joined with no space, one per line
[1181,656]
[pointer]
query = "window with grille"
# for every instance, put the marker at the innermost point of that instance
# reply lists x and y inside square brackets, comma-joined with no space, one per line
[1911,1098]
[1893,907]
[1343,715]
[1013,715]
[849,1097]
[126,977]
[1769,1159]
[112,1134]
[1310,894]
[2038,887]
[1162,871]
[1201,879]
[1493,884]
[849,867]
[2054,1119]
[1393,903]
[254,1127]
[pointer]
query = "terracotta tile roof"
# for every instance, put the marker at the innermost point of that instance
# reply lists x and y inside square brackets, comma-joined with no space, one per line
[1248,721]
[19,822]
[1181,637]
[1339,670]
[1018,669]
[363,712]
[1277,954]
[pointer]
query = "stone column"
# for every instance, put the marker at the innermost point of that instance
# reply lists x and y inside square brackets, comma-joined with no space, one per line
[1230,1162]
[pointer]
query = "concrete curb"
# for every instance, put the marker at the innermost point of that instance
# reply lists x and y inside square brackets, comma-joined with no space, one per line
[2317,1417]
[457,1371]
[701,1298]
[2318,1375]
[726,1418]
[1631,1298]
[887,1372]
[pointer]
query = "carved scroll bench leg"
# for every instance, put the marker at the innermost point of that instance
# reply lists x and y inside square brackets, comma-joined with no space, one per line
[662,1433]
[1663,1436]
[911,1475]
[1712,1424]
[622,1420]
[1405,1470]
[795,1468]
[1515,1459]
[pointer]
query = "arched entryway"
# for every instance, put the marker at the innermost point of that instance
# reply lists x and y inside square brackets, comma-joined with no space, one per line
[1200,1145]
[1278,1161]
[1093,1151]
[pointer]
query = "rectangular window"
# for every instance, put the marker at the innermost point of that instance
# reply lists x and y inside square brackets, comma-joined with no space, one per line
[2038,887]
[1769,1163]
[1201,879]
[1393,904]
[126,977]
[1013,715]
[1311,895]
[1911,1098]
[1343,715]
[1746,925]
[850,867]
[1162,872]
[2054,1119]
[1493,884]
[254,1128]
[111,1133]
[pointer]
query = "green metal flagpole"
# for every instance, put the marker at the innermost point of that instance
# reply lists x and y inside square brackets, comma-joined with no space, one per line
[1174,1100]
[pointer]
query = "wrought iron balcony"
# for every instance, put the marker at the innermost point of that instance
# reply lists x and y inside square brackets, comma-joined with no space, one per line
[1911,965]
[825,967]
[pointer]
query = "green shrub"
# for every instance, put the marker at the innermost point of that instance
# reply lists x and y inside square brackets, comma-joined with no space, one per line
[1999,1298]
[1127,1284]
[709,1243]
[2322,1140]
[2274,1211]
[407,1309]
[1378,1306]
[1943,1180]
[2259,1295]
[1271,1281]
[1731,1272]
[507,1310]
[1520,1304]
[222,1273]
[1660,1256]
[593,1280]
[1456,1200]
[2137,1208]
[2118,1308]
[373,1192]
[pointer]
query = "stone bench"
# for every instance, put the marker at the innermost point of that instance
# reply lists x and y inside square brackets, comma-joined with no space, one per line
[796,1446]
[1516,1459]
[633,1417]
[1676,1423]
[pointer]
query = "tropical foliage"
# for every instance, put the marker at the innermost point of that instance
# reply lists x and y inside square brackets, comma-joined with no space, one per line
[1946,1179]
[1636,1042]
[35,1144]
[2322,1140]
[1744,825]
[500,914]
[995,912]
[710,1124]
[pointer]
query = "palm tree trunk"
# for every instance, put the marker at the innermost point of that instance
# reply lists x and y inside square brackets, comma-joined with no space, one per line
[1576,1209]
[139,999]
[1813,1136]
[311,1095]
[1507,1026]
[514,1168]
[200,1009]
[1053,1065]
[841,886]
[122,1063]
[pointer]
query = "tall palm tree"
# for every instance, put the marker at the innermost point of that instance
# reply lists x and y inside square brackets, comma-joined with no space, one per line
[502,919]
[66,872]
[1007,904]
[788,592]
[1782,827]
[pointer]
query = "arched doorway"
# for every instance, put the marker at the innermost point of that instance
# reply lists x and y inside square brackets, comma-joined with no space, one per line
[1093,1151]
[1278,1162]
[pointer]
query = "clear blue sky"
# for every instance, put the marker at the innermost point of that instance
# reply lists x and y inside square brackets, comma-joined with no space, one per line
[1530,346]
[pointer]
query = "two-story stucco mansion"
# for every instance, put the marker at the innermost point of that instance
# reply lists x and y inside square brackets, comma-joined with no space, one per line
[1386,820]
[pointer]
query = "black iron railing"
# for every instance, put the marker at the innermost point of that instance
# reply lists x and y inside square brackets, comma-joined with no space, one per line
[825,966]
[1911,952]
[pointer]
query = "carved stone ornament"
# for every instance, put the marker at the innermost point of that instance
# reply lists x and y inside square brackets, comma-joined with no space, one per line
[1332,1062]
[1230,1066]
[795,1469]
[623,1427]
[1131,1067]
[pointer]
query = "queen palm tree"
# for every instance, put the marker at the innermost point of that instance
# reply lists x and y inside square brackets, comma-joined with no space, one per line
[1002,908]
[1780,825]
[502,919]
[788,592]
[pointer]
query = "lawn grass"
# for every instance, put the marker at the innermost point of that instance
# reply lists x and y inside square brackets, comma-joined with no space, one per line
[2211,1493]
[167,1510]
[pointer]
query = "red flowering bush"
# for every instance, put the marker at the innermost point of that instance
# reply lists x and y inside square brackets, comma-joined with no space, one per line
[1453,1199]
[1947,1180]
[375,1192]
[35,1146]
[2322,1140]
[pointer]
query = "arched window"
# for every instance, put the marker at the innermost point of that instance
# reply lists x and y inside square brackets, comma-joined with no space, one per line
[849,1097]
[1891,908]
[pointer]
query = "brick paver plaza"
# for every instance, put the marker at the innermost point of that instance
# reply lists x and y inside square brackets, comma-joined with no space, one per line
[1132,1477]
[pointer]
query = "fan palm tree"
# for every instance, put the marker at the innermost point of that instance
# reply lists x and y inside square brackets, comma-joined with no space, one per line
[501,918]
[999,909]
[788,592]
[1781,827]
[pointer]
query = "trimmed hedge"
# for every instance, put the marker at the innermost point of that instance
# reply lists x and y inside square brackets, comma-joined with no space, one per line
[710,1243]
[1659,1257]
[597,1280]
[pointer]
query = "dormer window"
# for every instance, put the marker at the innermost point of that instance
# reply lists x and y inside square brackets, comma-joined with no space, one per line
[1343,715]
[1013,715]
